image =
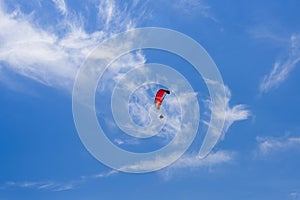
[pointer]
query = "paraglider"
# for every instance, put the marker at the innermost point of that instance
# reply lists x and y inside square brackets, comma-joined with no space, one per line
[159,97]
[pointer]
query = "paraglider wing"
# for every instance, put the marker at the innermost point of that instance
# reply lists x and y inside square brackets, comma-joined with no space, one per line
[159,97]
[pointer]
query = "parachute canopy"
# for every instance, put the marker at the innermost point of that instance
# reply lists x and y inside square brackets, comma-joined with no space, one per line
[160,95]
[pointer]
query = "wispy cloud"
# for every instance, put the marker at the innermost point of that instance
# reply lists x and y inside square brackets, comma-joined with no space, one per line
[105,174]
[55,186]
[61,6]
[268,34]
[52,55]
[269,145]
[195,7]
[224,115]
[215,158]
[113,15]
[232,113]
[295,195]
[19,34]
[39,185]
[188,161]
[192,162]
[282,68]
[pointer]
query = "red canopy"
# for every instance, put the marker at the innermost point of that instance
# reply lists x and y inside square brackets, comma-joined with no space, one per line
[160,95]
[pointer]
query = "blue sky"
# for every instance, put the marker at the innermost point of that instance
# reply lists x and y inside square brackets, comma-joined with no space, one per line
[256,47]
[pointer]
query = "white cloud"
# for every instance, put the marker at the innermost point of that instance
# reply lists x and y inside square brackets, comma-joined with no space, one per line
[118,141]
[151,164]
[295,195]
[222,109]
[268,34]
[105,174]
[194,7]
[282,68]
[193,162]
[232,113]
[219,157]
[106,12]
[190,161]
[269,145]
[55,186]
[114,16]
[39,185]
[61,6]
[221,118]
[49,55]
